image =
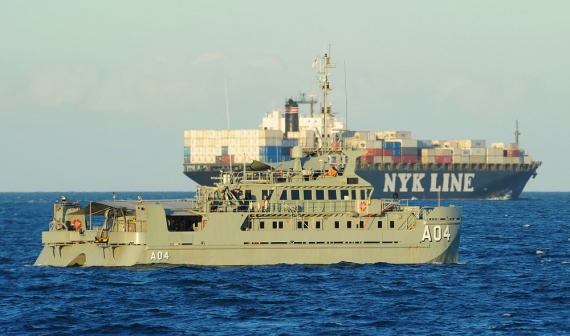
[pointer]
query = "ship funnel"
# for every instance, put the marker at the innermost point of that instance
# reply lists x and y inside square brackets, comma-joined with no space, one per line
[291,116]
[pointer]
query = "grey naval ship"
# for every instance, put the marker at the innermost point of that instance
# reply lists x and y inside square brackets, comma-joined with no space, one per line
[312,212]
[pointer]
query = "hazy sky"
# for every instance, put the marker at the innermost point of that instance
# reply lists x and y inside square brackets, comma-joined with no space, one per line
[95,95]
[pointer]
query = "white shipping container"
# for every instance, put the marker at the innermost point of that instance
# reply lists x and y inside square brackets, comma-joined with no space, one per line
[494,151]
[397,135]
[428,159]
[477,159]
[450,144]
[504,145]
[443,152]
[479,151]
[471,143]
[494,159]
[428,152]
[527,159]
[511,160]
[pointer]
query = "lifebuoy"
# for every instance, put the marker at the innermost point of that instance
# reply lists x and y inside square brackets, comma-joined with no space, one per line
[76,224]
[362,206]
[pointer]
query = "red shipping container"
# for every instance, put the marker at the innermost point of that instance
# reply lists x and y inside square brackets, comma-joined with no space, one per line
[512,153]
[396,159]
[409,159]
[227,159]
[387,152]
[366,159]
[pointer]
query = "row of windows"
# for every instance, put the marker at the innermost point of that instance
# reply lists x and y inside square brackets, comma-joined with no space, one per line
[320,194]
[305,225]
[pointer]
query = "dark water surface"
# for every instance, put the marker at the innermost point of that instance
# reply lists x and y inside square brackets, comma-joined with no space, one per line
[513,277]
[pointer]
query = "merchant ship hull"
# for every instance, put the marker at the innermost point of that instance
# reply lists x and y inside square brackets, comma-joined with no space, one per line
[441,182]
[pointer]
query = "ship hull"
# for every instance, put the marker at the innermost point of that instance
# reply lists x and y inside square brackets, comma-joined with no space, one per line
[414,236]
[428,184]
[251,248]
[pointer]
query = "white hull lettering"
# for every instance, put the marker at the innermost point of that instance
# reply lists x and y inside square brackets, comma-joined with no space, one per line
[157,256]
[438,182]
[436,233]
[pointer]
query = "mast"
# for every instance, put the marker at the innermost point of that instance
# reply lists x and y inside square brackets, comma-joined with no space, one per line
[517,133]
[325,61]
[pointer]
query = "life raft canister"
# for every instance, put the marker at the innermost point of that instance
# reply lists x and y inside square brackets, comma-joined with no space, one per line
[76,224]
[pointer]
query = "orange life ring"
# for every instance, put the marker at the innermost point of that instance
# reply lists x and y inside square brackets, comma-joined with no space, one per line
[76,224]
[362,206]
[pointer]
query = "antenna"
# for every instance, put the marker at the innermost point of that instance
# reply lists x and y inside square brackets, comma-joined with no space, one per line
[228,114]
[326,88]
[345,99]
[517,133]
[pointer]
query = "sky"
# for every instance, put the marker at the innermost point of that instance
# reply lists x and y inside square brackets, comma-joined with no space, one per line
[95,95]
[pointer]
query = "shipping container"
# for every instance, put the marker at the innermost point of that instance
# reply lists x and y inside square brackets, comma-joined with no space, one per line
[472,143]
[443,152]
[428,152]
[494,152]
[406,151]
[494,159]
[477,159]
[504,145]
[409,159]
[443,159]
[512,153]
[428,159]
[478,151]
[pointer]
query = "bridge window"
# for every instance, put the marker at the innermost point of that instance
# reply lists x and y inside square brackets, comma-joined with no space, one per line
[362,224]
[344,194]
[261,225]
[391,224]
[283,195]
[332,194]
[349,225]
[336,224]
[320,194]
[295,195]
[379,224]
[318,224]
[307,195]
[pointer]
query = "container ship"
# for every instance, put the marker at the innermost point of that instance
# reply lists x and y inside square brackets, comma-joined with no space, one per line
[395,163]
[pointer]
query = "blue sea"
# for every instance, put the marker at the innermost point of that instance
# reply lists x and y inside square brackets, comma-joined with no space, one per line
[513,278]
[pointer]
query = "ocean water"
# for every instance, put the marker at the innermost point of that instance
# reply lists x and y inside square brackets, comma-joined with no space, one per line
[513,278]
